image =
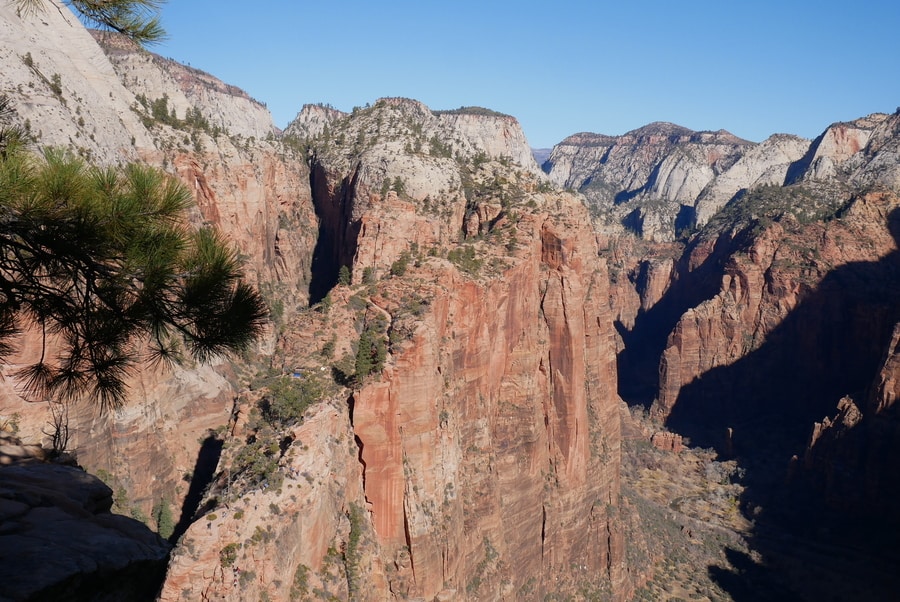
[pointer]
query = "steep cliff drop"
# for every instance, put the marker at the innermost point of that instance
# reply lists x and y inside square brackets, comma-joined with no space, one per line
[473,426]
[803,317]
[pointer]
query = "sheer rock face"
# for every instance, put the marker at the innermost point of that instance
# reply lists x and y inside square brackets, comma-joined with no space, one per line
[481,463]
[844,152]
[880,158]
[60,81]
[490,447]
[257,194]
[283,540]
[489,444]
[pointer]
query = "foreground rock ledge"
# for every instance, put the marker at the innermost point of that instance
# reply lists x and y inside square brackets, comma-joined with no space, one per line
[59,541]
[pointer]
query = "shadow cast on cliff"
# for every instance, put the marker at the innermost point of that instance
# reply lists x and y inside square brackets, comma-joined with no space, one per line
[336,240]
[760,410]
[204,470]
[644,343]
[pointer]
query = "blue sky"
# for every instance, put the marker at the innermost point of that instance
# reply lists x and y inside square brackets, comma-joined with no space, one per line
[559,67]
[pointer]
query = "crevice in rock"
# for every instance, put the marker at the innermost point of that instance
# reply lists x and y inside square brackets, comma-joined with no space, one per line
[359,456]
[412,562]
[543,528]
[336,242]
[351,403]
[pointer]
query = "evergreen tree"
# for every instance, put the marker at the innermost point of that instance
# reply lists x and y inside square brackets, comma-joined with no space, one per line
[162,515]
[100,263]
[136,19]
[344,275]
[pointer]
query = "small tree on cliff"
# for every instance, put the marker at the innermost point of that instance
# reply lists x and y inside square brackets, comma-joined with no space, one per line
[100,263]
[136,19]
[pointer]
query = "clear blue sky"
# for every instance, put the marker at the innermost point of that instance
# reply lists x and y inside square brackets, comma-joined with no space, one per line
[560,67]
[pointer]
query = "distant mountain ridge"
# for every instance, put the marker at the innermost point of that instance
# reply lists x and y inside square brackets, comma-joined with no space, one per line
[662,179]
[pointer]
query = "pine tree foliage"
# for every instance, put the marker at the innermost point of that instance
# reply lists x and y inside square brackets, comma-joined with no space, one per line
[12,136]
[136,19]
[101,263]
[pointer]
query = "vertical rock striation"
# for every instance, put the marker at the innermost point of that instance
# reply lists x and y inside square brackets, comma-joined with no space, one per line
[491,444]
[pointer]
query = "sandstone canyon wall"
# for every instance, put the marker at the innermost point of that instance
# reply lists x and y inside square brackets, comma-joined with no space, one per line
[773,337]
[480,462]
[475,452]
[483,457]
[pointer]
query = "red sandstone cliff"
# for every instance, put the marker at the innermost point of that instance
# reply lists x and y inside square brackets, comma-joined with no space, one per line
[486,452]
[792,289]
[501,408]
[255,191]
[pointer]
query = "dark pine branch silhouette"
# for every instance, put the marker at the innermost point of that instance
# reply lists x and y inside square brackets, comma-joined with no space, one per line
[101,264]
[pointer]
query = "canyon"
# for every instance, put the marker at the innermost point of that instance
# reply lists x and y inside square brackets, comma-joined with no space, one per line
[660,365]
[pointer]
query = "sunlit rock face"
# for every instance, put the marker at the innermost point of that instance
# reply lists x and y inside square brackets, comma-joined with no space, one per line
[482,461]
[647,181]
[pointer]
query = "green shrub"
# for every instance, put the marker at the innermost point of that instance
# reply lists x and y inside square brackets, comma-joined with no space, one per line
[371,352]
[300,587]
[344,276]
[162,515]
[228,555]
[368,276]
[352,552]
[288,398]
[398,268]
[465,259]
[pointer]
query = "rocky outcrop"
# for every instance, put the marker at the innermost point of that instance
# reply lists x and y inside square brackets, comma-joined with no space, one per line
[648,179]
[836,152]
[767,163]
[486,449]
[312,120]
[778,288]
[409,128]
[60,542]
[665,441]
[287,542]
[151,78]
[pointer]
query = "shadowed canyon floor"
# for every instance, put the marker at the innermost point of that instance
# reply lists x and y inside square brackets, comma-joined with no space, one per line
[801,525]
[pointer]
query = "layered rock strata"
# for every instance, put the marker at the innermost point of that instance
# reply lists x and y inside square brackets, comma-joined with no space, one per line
[647,180]
[777,294]
[71,94]
[486,449]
